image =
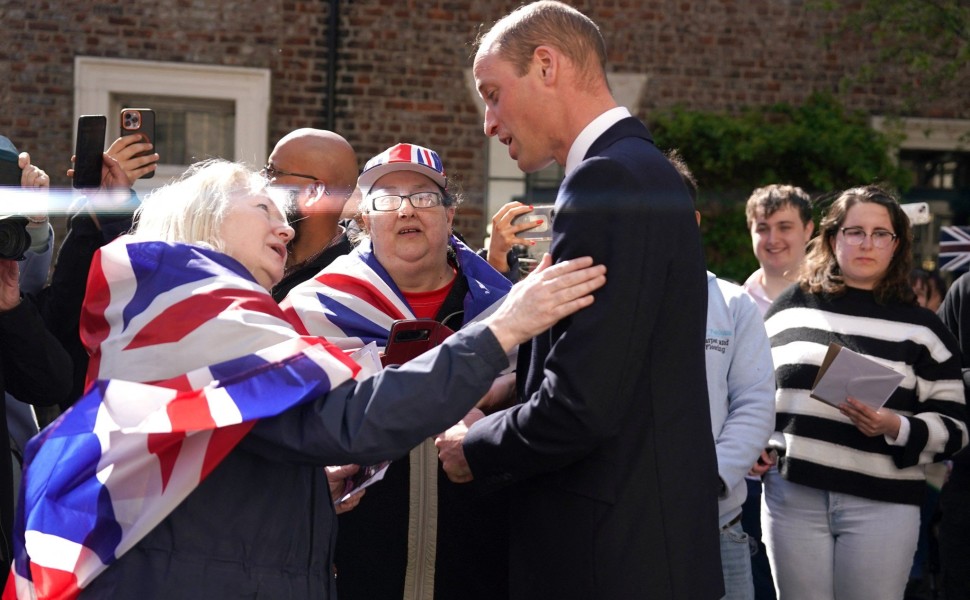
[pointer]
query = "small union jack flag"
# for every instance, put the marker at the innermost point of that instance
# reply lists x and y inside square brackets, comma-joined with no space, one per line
[955,248]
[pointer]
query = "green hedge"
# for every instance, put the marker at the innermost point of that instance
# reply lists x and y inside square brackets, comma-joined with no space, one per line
[819,146]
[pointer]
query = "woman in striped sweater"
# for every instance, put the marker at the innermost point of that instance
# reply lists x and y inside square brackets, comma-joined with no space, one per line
[841,511]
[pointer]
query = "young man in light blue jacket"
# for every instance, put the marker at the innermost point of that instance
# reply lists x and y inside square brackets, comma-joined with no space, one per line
[741,387]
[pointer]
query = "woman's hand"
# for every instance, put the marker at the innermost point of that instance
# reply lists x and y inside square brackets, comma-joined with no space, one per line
[123,150]
[871,422]
[548,294]
[32,176]
[504,234]
[337,480]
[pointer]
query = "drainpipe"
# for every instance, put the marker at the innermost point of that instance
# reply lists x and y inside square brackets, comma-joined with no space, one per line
[333,35]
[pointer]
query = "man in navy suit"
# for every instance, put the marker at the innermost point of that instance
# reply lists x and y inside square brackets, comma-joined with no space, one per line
[610,446]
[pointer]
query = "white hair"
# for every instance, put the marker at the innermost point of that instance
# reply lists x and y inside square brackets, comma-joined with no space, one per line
[192,208]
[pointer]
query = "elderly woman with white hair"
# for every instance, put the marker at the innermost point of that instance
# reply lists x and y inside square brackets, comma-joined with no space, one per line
[209,482]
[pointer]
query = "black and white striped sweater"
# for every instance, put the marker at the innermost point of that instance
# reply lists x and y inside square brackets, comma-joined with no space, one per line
[823,448]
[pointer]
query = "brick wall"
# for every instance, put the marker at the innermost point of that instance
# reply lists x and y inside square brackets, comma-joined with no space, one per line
[401,64]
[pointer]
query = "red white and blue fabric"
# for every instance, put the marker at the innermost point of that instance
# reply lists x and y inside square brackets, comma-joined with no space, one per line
[402,155]
[196,353]
[360,301]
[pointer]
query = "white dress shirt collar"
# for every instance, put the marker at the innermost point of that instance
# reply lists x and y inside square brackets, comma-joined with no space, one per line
[586,137]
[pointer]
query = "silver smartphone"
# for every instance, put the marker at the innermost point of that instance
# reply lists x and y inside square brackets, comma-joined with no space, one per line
[542,231]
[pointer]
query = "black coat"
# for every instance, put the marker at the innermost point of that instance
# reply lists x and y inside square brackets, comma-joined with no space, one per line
[612,447]
[35,369]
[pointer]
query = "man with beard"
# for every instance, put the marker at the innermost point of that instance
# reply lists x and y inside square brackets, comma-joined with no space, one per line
[320,169]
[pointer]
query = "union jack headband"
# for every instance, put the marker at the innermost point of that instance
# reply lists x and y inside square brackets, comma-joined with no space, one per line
[403,157]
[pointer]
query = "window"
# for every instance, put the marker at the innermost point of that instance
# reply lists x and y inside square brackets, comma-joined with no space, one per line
[935,153]
[937,169]
[186,129]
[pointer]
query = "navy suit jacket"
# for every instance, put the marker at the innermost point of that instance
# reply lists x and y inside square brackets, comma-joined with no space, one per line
[610,449]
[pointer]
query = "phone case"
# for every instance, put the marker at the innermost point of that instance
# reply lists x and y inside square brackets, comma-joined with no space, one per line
[88,151]
[543,231]
[139,120]
[412,337]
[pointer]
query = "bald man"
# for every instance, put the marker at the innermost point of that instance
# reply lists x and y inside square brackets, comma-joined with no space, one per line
[320,169]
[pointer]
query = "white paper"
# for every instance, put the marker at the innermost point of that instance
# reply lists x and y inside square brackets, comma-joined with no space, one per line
[364,478]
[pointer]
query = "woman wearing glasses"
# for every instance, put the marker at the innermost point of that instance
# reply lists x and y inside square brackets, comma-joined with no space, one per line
[416,534]
[841,511]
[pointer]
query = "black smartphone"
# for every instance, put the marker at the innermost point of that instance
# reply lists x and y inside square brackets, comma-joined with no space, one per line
[139,120]
[412,337]
[772,456]
[10,171]
[542,231]
[88,151]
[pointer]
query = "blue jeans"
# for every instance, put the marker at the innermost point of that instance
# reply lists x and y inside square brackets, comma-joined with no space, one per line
[736,564]
[827,545]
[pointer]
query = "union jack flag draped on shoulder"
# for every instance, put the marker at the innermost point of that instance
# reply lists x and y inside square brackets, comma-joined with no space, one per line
[185,346]
[360,301]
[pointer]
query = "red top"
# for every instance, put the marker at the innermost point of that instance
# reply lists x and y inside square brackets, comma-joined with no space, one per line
[426,305]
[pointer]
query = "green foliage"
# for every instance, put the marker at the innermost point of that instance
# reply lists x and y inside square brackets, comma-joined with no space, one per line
[727,243]
[819,146]
[928,39]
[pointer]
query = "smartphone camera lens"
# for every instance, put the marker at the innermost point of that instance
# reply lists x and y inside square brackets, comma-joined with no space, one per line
[131,120]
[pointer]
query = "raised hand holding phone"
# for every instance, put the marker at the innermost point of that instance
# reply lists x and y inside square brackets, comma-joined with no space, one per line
[140,122]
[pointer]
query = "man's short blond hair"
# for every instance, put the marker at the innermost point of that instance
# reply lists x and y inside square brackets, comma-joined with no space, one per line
[547,23]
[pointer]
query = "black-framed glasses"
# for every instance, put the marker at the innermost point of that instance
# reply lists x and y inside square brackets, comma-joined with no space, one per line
[854,236]
[271,172]
[417,200]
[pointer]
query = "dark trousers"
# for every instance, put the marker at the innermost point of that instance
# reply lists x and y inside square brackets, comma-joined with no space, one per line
[764,585]
[955,534]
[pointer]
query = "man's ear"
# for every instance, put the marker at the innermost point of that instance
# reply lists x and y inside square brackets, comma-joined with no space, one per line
[314,193]
[547,60]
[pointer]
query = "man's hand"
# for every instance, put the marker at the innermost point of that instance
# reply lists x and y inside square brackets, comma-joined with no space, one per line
[764,463]
[450,452]
[337,479]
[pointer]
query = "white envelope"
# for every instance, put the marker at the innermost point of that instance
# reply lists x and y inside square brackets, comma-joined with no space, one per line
[846,373]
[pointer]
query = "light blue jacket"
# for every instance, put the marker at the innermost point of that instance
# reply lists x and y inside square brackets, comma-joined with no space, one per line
[741,386]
